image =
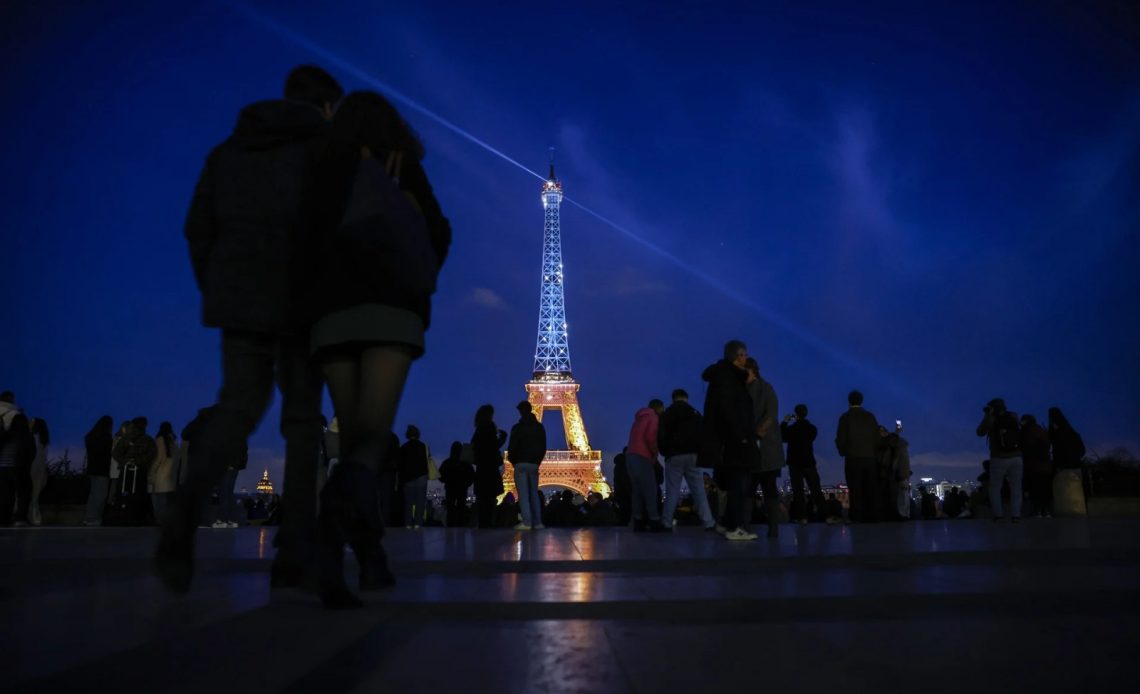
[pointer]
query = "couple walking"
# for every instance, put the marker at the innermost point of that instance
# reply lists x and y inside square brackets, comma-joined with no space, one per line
[316,240]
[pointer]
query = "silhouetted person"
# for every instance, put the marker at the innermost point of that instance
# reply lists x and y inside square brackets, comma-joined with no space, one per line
[135,454]
[414,478]
[17,449]
[765,411]
[730,437]
[857,439]
[1038,465]
[526,450]
[599,511]
[97,444]
[894,473]
[487,443]
[952,504]
[799,435]
[640,457]
[161,480]
[38,471]
[833,509]
[381,240]
[1003,434]
[1068,447]
[246,228]
[623,489]
[929,504]
[391,496]
[237,459]
[679,440]
[456,474]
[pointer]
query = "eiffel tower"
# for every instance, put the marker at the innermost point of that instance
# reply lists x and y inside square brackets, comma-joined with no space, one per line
[552,386]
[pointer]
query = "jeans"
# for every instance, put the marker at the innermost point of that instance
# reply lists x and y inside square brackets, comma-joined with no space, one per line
[863,487]
[251,364]
[415,501]
[225,497]
[526,481]
[96,499]
[800,476]
[1000,469]
[684,466]
[645,489]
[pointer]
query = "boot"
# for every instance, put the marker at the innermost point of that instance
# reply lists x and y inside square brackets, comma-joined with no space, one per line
[333,523]
[772,509]
[373,560]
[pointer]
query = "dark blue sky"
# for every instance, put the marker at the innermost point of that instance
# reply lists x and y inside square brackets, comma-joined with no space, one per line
[937,206]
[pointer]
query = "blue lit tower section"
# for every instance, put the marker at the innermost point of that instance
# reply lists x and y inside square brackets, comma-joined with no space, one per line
[552,386]
[552,351]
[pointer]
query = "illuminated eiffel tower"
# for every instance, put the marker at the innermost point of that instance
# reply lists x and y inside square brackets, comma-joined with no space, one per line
[553,386]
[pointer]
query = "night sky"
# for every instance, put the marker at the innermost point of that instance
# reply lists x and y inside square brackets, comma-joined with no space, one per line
[937,206]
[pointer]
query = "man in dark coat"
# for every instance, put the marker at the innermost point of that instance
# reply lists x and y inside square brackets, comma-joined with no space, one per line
[679,440]
[800,435]
[730,438]
[526,450]
[857,439]
[248,220]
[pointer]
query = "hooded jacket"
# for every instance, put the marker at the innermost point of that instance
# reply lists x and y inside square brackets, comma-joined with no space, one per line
[729,432]
[248,218]
[528,441]
[643,435]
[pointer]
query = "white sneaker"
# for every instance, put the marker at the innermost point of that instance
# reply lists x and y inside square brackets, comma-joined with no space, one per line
[540,526]
[740,534]
[232,524]
[523,526]
[720,529]
[220,524]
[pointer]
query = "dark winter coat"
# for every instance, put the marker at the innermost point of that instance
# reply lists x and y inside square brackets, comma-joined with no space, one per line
[528,441]
[456,474]
[766,408]
[800,437]
[248,219]
[17,449]
[487,443]
[679,430]
[1035,451]
[413,461]
[1068,448]
[98,445]
[857,435]
[730,437]
[350,270]
[991,424]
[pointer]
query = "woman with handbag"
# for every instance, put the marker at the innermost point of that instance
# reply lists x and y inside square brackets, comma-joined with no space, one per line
[380,239]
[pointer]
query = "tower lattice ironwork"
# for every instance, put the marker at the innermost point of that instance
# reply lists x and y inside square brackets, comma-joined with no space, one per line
[552,385]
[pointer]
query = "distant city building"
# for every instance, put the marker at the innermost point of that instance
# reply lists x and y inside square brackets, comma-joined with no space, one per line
[264,486]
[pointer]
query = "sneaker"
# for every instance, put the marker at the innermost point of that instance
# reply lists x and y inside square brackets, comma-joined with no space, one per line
[720,529]
[803,521]
[232,524]
[220,524]
[523,526]
[415,527]
[407,527]
[740,534]
[540,526]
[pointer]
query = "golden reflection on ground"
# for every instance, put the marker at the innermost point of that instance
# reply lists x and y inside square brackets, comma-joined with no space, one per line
[262,534]
[581,587]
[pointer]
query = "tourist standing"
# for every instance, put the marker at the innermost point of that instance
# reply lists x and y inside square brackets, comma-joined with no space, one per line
[38,471]
[679,440]
[799,435]
[456,474]
[1068,447]
[1038,466]
[487,444]
[765,410]
[414,478]
[526,450]
[98,443]
[730,437]
[1002,431]
[249,216]
[857,440]
[162,479]
[640,456]
[135,453]
[17,449]
[894,474]
[227,507]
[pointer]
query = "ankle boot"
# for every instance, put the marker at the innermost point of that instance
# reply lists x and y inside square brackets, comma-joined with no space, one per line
[332,523]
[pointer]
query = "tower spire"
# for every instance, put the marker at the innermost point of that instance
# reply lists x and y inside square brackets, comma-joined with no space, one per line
[552,178]
[552,351]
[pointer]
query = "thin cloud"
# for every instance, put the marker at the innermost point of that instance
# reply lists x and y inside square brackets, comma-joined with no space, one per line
[486,298]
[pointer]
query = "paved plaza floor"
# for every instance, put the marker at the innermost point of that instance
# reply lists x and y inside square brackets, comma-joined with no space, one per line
[954,606]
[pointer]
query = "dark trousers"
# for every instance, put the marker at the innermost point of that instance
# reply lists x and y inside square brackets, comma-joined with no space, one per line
[23,494]
[251,365]
[741,492]
[485,510]
[810,476]
[7,494]
[455,503]
[864,489]
[390,511]
[1040,488]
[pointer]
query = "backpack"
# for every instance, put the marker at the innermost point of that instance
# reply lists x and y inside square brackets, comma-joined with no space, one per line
[1006,433]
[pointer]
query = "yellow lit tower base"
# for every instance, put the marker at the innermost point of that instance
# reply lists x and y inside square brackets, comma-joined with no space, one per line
[553,386]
